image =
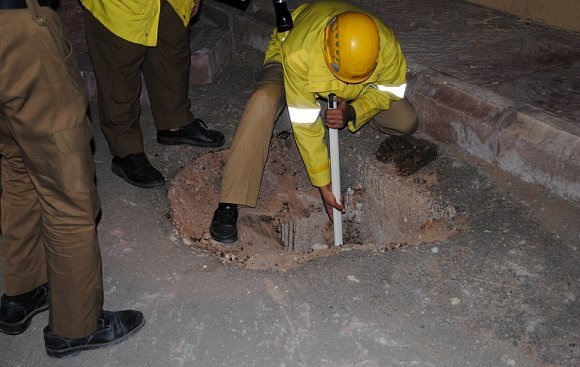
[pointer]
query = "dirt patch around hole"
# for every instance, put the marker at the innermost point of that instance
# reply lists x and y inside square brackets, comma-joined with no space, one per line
[390,206]
[408,154]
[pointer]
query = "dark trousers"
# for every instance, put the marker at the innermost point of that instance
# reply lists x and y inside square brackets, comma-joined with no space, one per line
[118,65]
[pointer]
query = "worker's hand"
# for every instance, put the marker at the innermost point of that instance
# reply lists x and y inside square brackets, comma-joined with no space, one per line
[338,118]
[329,201]
[195,9]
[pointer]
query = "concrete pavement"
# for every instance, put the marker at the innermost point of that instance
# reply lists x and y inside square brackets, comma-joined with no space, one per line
[503,292]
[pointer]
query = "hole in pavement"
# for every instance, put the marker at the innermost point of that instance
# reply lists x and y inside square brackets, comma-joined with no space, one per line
[389,206]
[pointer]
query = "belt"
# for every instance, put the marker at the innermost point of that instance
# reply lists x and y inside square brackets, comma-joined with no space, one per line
[21,4]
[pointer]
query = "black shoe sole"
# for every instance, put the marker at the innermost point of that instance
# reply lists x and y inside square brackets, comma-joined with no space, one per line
[73,351]
[146,185]
[187,141]
[229,239]
[20,327]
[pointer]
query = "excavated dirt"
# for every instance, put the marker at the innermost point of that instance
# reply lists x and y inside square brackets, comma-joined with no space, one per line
[390,206]
[408,154]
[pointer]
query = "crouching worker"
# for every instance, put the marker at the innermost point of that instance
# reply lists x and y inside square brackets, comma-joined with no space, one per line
[334,47]
[49,253]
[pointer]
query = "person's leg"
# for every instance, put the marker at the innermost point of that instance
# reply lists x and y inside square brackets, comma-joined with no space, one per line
[50,173]
[244,169]
[22,253]
[45,141]
[399,119]
[117,67]
[166,73]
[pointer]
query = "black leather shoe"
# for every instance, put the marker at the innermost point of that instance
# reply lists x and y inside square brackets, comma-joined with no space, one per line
[136,170]
[16,312]
[112,328]
[223,226]
[197,133]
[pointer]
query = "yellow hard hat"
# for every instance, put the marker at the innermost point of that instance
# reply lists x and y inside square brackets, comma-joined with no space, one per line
[351,46]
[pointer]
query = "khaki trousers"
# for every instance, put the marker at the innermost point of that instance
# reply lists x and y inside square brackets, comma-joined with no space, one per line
[49,202]
[244,169]
[118,65]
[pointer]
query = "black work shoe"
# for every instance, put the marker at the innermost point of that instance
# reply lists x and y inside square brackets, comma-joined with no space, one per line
[112,328]
[16,312]
[136,170]
[197,133]
[223,226]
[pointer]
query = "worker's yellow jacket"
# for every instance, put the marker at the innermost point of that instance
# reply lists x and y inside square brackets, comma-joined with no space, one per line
[136,21]
[307,77]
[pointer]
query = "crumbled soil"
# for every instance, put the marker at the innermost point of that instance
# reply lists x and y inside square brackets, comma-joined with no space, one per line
[389,207]
[408,154]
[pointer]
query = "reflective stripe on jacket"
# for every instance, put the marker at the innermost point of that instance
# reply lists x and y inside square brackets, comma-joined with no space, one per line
[306,77]
[135,20]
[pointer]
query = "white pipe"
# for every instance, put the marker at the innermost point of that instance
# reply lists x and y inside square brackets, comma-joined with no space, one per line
[335,176]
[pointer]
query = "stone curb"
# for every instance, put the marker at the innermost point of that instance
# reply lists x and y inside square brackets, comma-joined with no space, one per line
[528,143]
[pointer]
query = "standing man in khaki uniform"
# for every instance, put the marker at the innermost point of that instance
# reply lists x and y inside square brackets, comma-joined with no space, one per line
[334,47]
[124,39]
[49,253]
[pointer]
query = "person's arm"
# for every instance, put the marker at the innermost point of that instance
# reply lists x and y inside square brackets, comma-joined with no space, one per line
[338,118]
[330,202]
[390,86]
[309,131]
[309,134]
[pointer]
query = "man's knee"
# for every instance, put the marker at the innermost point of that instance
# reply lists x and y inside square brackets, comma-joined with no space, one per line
[402,126]
[410,126]
[399,119]
[268,95]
